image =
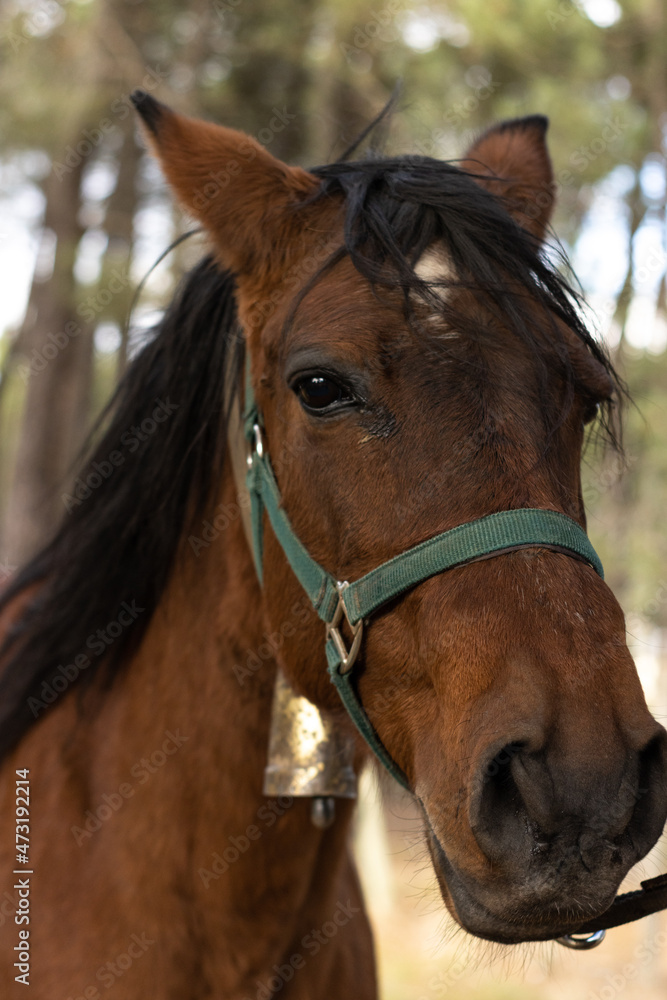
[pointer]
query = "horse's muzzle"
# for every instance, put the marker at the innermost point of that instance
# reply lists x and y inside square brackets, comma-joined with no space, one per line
[554,841]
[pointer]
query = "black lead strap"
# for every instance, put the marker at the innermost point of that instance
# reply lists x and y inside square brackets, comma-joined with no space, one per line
[630,906]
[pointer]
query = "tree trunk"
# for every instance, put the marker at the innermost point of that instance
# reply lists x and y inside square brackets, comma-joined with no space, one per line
[56,366]
[119,225]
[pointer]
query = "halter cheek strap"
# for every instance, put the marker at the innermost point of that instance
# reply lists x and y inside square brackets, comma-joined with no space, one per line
[358,601]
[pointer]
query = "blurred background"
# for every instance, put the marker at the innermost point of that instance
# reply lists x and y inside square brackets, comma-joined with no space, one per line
[84,214]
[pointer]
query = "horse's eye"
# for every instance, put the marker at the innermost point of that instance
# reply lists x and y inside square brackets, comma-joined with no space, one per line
[317,392]
[591,412]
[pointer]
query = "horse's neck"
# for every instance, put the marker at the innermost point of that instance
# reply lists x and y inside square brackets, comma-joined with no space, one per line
[152,823]
[188,733]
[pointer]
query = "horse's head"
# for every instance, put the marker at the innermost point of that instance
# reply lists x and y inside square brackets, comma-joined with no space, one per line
[418,365]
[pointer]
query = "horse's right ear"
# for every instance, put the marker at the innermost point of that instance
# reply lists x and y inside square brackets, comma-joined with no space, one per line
[511,160]
[228,181]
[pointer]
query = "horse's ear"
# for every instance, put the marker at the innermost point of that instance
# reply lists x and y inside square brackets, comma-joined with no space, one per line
[516,166]
[228,181]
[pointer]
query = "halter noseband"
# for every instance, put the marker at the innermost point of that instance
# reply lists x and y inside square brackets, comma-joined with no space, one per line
[356,602]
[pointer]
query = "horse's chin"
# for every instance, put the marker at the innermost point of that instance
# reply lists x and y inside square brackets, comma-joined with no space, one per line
[513,922]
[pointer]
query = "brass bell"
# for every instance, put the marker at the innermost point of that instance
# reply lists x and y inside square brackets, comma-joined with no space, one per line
[309,756]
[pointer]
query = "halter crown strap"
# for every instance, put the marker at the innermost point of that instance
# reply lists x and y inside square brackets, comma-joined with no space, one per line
[356,601]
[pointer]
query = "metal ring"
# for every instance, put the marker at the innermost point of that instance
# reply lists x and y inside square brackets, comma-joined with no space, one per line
[582,943]
[258,442]
[347,656]
[255,445]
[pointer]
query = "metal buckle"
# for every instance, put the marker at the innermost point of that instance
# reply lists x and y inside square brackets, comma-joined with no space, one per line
[255,445]
[583,943]
[347,656]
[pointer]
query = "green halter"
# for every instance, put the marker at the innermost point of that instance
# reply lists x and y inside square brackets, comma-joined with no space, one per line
[357,601]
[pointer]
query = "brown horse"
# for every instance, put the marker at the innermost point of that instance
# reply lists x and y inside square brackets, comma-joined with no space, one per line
[418,365]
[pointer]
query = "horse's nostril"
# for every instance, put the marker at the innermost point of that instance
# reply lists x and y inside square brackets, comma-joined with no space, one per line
[530,800]
[497,811]
[650,796]
[498,765]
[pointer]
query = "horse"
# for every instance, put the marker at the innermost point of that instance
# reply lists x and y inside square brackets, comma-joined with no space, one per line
[416,384]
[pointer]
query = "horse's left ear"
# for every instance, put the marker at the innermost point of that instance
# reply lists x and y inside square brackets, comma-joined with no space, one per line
[515,164]
[231,183]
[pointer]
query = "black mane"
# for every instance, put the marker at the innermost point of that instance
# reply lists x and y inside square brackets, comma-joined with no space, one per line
[119,543]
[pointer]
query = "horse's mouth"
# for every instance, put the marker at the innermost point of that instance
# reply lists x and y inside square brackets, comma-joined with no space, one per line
[542,922]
